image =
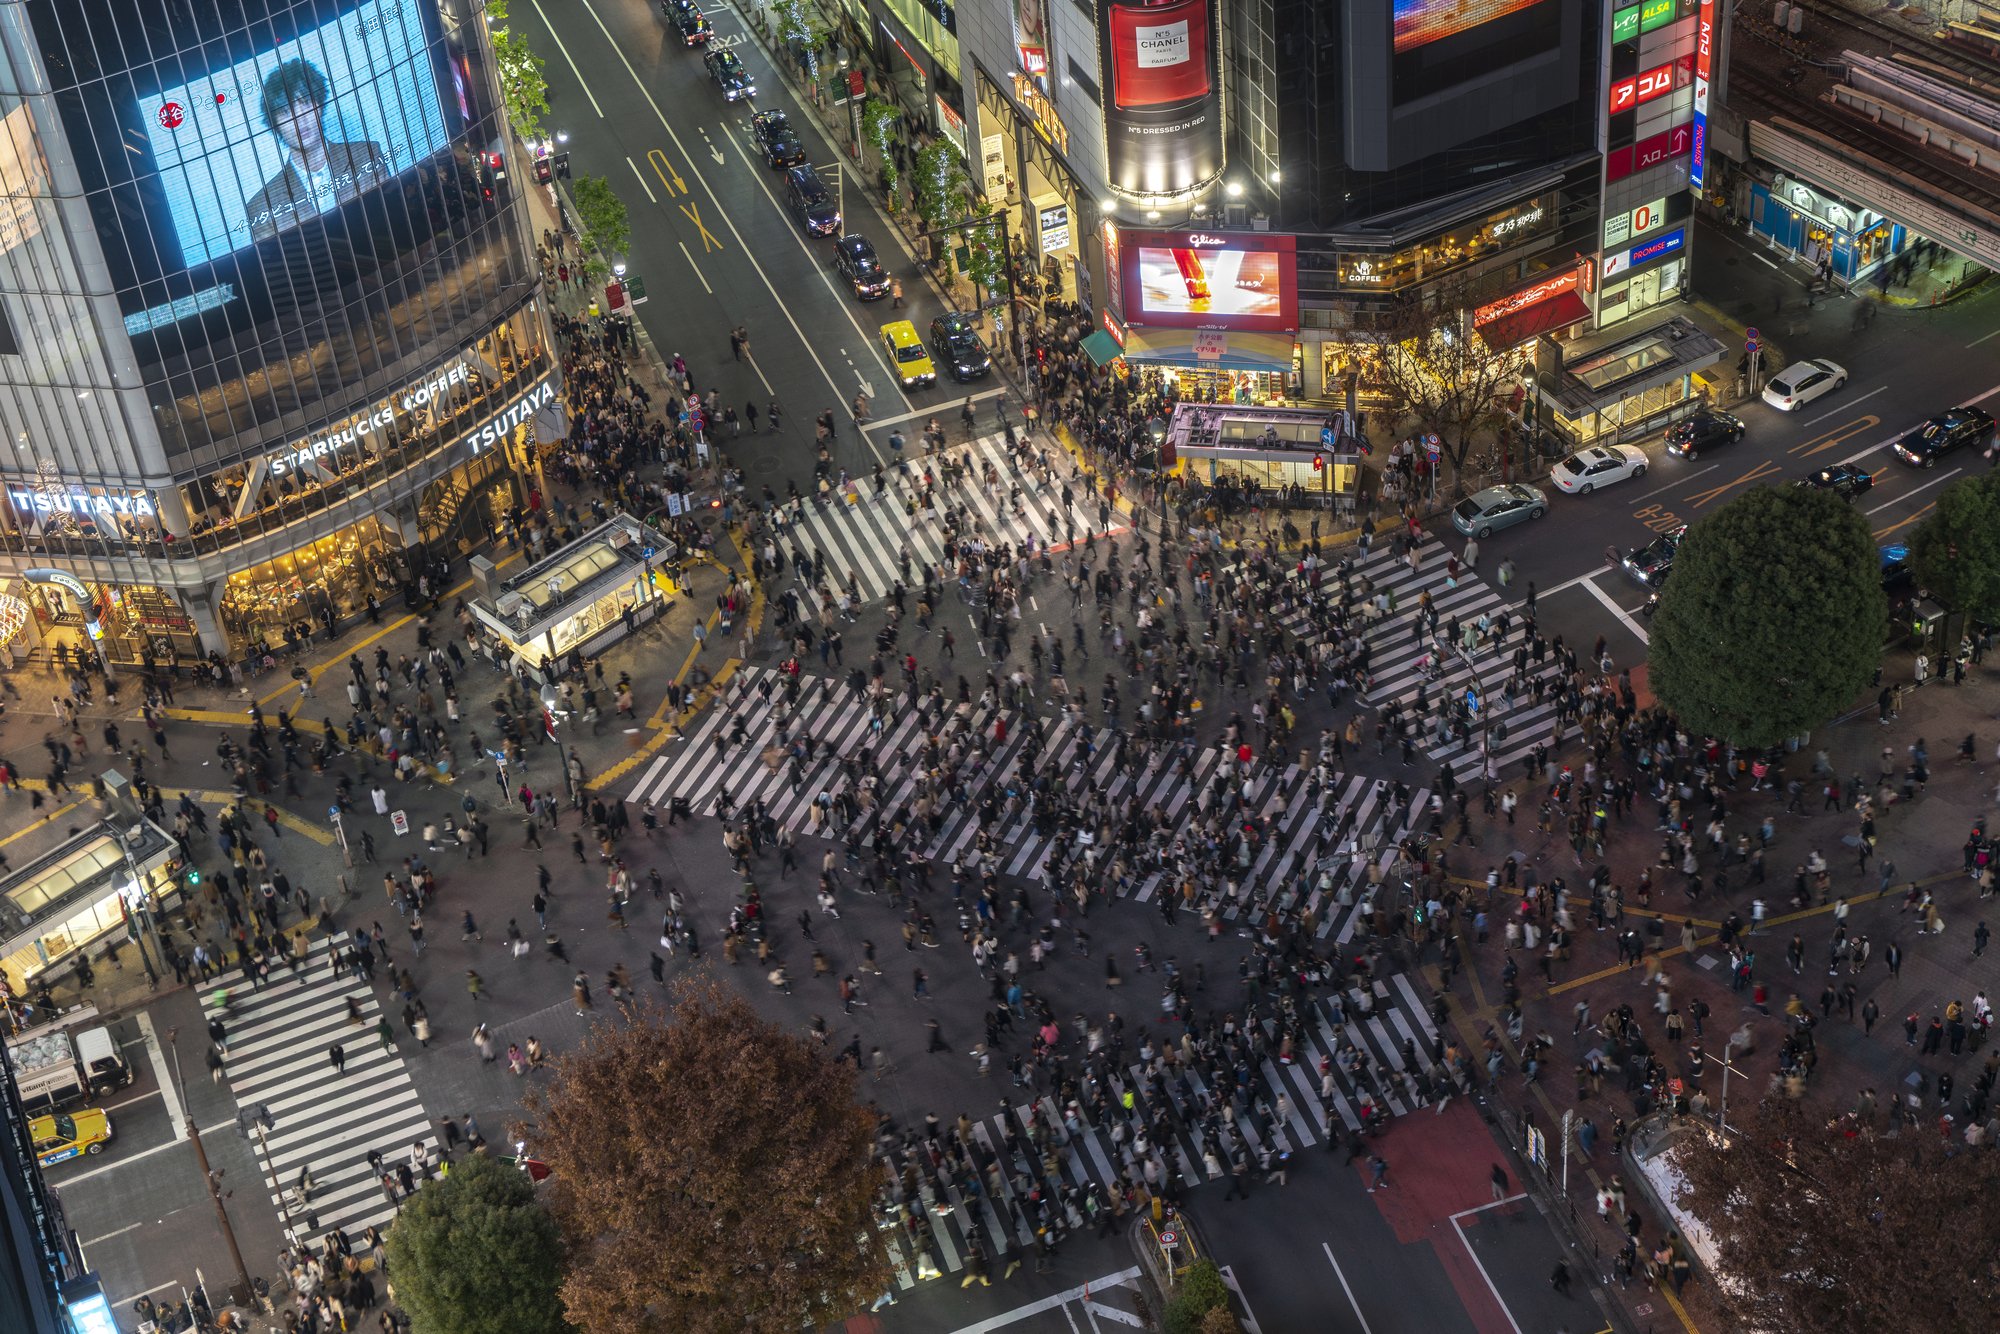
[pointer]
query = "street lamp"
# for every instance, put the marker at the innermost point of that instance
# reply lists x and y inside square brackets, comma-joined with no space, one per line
[241,1291]
[1235,189]
[550,711]
[1722,1116]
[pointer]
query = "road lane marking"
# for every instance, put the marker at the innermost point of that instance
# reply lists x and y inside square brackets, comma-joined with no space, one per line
[1977,341]
[69,1180]
[692,212]
[900,418]
[1808,425]
[1977,398]
[1465,1241]
[651,198]
[1328,1248]
[696,267]
[1048,1303]
[1617,610]
[784,307]
[1881,533]
[1757,473]
[571,59]
[1914,490]
[664,168]
[157,1058]
[1868,421]
[1684,477]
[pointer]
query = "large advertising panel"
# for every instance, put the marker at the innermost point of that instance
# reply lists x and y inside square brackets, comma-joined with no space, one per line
[1162,80]
[1031,39]
[1439,44]
[1421,22]
[1704,69]
[259,146]
[1246,281]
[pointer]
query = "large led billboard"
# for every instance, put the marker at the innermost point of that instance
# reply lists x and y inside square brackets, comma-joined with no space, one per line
[1421,22]
[1246,281]
[261,145]
[1162,80]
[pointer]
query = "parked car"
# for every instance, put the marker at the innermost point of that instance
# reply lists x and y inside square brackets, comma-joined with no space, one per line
[1922,446]
[1846,480]
[776,139]
[854,258]
[1485,513]
[1802,382]
[1600,465]
[1704,430]
[811,202]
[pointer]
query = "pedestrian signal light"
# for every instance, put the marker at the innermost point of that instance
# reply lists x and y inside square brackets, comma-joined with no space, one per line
[194,876]
[1319,462]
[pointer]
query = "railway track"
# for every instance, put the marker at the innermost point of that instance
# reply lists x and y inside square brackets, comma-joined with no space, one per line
[1957,58]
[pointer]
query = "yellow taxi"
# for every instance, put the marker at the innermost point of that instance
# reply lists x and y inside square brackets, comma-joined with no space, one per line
[65,1135]
[908,355]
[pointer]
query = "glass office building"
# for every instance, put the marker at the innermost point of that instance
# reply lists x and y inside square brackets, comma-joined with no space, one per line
[270,320]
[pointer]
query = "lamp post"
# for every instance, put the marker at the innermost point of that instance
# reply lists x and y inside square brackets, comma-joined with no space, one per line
[550,711]
[1722,1116]
[139,906]
[240,1291]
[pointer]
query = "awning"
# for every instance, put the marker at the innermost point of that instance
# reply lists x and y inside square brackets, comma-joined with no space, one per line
[1102,348]
[1214,351]
[1517,327]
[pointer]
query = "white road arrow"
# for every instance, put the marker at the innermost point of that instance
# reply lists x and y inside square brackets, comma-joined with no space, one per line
[866,387]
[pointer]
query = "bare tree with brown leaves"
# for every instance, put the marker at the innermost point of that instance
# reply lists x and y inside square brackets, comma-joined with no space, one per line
[1440,375]
[1828,1225]
[710,1172]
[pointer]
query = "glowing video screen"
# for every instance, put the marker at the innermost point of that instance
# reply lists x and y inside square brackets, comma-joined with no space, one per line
[254,149]
[1421,22]
[1177,281]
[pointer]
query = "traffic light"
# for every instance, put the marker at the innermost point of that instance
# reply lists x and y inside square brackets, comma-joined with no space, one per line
[1319,462]
[194,877]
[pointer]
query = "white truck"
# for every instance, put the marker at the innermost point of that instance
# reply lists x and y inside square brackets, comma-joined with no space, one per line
[54,1067]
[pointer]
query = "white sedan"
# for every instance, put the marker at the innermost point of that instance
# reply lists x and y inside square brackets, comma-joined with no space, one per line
[1600,465]
[1802,382]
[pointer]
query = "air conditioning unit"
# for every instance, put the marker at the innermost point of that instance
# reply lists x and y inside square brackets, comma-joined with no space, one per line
[1237,215]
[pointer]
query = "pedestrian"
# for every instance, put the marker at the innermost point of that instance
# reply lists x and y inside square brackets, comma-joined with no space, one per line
[1378,1167]
[1499,1182]
[580,990]
[482,1042]
[338,1057]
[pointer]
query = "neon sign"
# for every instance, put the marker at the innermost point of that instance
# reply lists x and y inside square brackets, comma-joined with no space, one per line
[1552,286]
[1704,68]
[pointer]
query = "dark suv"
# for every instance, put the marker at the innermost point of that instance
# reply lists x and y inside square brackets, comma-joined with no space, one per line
[811,202]
[1652,563]
[729,74]
[956,348]
[854,257]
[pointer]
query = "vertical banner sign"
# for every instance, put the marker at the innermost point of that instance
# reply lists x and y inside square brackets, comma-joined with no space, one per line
[1704,63]
[1163,108]
[1031,39]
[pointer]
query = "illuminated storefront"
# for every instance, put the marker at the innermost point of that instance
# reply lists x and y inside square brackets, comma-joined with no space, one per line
[1521,224]
[1817,229]
[80,892]
[309,386]
[1622,387]
[1211,316]
[1304,455]
[575,600]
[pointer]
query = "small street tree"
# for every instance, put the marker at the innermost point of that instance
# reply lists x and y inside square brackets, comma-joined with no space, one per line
[1439,372]
[476,1253]
[1774,618]
[602,221]
[524,85]
[879,120]
[1824,1224]
[710,1171]
[1956,551]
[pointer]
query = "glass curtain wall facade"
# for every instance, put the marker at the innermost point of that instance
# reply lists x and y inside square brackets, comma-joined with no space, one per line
[265,283]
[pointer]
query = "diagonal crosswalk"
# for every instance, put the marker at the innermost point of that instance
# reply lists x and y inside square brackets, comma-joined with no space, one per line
[861,536]
[1033,1162]
[1406,668]
[1324,834]
[279,1039]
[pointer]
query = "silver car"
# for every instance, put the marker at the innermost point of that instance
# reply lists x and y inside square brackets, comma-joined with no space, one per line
[1485,513]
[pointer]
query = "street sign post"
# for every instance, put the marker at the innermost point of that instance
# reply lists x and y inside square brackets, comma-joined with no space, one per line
[399,821]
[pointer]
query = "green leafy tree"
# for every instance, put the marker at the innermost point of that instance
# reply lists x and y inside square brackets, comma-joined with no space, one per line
[1823,1223]
[524,84]
[942,188]
[801,27]
[711,1172]
[878,122]
[1956,551]
[1774,619]
[476,1253]
[602,220]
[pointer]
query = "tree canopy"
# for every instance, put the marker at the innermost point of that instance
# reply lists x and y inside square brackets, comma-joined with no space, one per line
[1441,373]
[475,1253]
[710,1171]
[602,219]
[1831,1226]
[1955,553]
[1774,619]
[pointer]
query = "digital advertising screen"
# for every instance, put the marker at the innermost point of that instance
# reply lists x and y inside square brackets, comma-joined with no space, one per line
[1199,280]
[1421,22]
[260,146]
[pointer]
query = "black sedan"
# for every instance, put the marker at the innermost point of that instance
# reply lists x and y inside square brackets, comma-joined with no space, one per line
[956,348]
[685,17]
[729,75]
[775,139]
[1705,430]
[854,257]
[1923,446]
[1843,479]
[1652,563]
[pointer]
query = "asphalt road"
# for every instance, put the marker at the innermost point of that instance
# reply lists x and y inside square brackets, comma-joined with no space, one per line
[713,238]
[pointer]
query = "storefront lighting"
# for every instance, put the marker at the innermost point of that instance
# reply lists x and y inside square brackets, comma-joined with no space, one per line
[13,617]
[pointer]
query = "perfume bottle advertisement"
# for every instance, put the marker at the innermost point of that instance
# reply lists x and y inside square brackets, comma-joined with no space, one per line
[1163,103]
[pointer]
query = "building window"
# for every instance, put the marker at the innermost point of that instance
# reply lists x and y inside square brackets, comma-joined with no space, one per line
[1085,82]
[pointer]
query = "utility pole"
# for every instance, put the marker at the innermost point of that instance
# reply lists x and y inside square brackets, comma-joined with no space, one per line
[240,1292]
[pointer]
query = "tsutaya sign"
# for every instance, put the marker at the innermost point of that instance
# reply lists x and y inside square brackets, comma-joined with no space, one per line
[302,454]
[78,500]
[496,428]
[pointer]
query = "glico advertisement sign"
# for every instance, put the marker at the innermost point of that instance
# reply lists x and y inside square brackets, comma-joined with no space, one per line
[1242,281]
[1162,79]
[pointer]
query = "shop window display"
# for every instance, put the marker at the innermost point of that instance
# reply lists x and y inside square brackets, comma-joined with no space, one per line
[329,577]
